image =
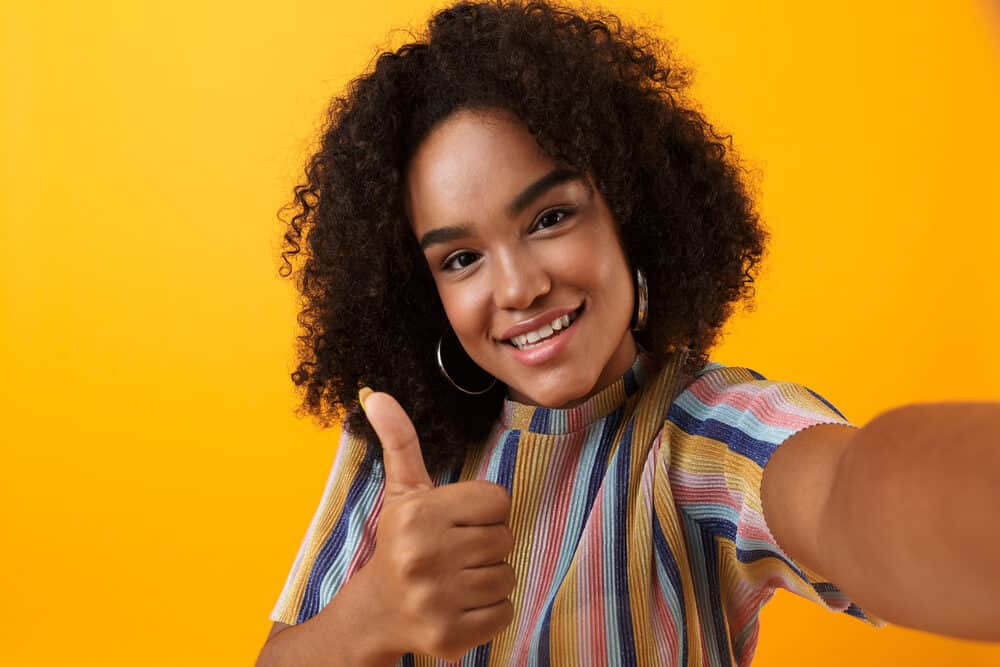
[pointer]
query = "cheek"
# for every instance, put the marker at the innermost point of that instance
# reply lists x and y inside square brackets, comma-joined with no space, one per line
[595,262]
[464,306]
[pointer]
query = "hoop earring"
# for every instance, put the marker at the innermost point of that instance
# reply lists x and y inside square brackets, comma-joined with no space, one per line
[641,312]
[469,366]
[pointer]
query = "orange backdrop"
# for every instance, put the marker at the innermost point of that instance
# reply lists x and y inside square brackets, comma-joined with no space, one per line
[155,483]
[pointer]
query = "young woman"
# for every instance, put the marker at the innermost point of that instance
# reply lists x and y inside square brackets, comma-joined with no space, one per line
[520,233]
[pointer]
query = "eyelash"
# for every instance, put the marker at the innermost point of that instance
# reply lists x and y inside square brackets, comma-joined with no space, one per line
[450,259]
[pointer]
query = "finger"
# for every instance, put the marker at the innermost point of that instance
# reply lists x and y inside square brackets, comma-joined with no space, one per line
[475,503]
[482,624]
[404,464]
[477,587]
[478,546]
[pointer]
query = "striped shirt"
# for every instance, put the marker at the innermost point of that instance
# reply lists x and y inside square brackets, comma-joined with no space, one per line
[639,534]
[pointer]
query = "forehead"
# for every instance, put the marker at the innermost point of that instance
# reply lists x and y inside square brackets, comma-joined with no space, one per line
[469,167]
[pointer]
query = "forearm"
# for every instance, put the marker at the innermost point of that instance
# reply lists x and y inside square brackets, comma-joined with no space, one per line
[348,631]
[913,517]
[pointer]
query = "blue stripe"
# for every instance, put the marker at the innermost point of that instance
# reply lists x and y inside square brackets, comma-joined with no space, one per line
[508,457]
[312,601]
[743,418]
[630,381]
[336,573]
[710,530]
[479,656]
[623,606]
[539,421]
[751,555]
[758,451]
[668,565]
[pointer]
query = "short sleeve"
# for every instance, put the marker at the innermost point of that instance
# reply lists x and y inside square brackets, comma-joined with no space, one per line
[727,423]
[341,536]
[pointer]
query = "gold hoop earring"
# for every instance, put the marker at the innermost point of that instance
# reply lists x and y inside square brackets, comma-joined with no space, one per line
[641,312]
[462,360]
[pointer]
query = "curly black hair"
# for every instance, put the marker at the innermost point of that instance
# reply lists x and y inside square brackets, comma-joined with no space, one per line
[601,97]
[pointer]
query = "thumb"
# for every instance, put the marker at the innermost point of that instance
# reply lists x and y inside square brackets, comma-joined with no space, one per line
[404,464]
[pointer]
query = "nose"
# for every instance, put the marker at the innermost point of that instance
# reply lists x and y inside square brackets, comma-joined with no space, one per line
[519,279]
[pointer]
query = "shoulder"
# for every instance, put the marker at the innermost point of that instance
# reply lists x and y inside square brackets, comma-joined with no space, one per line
[736,417]
[725,400]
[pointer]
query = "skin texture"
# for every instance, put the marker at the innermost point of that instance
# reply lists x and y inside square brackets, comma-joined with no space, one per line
[893,513]
[561,252]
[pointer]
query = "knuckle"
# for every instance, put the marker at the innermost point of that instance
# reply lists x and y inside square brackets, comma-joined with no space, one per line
[412,564]
[419,602]
[441,643]
[424,600]
[413,514]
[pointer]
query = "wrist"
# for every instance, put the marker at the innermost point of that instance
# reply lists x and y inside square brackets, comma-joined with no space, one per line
[374,642]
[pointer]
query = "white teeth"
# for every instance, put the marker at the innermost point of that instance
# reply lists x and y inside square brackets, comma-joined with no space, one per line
[542,332]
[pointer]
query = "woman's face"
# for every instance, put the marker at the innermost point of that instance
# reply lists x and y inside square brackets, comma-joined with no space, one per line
[526,259]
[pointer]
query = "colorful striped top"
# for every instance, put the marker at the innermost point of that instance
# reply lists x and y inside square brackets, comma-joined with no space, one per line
[639,535]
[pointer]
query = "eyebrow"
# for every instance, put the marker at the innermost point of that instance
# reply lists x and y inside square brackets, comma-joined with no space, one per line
[550,180]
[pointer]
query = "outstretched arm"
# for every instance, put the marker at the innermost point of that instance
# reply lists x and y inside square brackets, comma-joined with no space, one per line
[903,515]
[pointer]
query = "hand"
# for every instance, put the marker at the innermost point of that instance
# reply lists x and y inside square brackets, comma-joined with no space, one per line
[439,553]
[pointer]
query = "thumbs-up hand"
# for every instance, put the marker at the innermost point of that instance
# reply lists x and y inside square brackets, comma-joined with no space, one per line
[442,582]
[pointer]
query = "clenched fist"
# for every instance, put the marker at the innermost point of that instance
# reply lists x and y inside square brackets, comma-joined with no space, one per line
[442,582]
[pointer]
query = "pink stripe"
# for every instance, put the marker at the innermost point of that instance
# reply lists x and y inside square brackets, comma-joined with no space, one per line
[767,404]
[700,488]
[367,540]
[589,564]
[546,541]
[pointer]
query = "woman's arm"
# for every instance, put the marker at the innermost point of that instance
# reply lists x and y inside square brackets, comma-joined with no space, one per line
[903,515]
[345,632]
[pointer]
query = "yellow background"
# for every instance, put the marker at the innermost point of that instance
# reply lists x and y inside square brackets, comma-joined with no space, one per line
[155,484]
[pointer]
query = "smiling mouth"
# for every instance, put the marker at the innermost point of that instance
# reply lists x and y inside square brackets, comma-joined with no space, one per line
[545,332]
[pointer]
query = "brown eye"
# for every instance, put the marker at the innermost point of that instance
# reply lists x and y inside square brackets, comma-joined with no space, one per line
[459,260]
[552,218]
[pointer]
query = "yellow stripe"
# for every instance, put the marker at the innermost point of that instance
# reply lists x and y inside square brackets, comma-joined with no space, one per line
[563,634]
[323,523]
[534,453]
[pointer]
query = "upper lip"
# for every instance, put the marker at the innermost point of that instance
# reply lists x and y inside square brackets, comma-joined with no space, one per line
[537,321]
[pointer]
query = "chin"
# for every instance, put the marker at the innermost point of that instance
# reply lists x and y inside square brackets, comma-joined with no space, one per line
[561,396]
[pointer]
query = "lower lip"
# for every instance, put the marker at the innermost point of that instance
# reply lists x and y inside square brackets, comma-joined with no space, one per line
[540,354]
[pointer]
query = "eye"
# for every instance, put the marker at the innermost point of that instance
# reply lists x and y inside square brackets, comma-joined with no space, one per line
[459,260]
[552,218]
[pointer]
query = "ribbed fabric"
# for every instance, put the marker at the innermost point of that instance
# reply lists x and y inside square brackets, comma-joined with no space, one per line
[639,535]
